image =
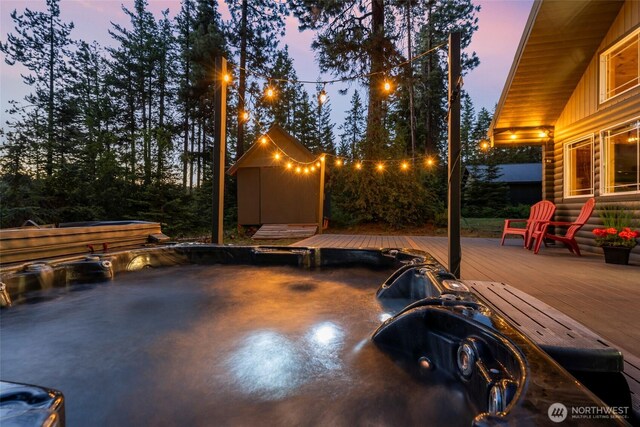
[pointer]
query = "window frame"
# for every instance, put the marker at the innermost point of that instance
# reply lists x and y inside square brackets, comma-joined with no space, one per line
[603,66]
[568,165]
[604,159]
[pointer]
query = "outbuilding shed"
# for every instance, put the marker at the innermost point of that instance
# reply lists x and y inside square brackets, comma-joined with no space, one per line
[523,180]
[279,182]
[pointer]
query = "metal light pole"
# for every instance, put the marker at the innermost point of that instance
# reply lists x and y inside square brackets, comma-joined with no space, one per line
[455,252]
[219,148]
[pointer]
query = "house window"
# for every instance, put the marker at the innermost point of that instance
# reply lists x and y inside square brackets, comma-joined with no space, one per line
[620,158]
[579,170]
[620,67]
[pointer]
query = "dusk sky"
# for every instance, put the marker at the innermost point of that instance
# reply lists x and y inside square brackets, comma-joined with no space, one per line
[501,23]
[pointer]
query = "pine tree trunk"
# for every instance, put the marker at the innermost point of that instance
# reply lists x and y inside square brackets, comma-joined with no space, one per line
[242,86]
[375,114]
[50,106]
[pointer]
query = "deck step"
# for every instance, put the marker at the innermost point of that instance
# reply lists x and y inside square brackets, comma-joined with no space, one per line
[569,342]
[285,231]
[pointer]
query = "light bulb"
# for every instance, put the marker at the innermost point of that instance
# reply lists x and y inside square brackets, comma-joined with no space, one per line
[322,96]
[429,162]
[358,166]
[270,92]
[277,156]
[298,169]
[289,165]
[387,86]
[263,140]
[306,170]
[226,78]
[245,115]
[404,166]
[380,167]
[338,162]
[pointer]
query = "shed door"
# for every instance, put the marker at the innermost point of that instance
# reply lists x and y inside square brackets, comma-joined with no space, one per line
[288,198]
[248,196]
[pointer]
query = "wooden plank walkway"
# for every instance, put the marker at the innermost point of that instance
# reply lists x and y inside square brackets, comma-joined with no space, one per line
[285,231]
[603,297]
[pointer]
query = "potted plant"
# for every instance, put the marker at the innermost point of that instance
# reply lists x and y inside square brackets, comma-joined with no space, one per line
[616,238]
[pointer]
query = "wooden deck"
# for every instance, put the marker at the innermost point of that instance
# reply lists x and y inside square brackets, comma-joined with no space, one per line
[603,297]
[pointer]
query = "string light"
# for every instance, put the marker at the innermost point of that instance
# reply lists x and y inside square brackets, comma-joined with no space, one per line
[430,161]
[387,85]
[338,162]
[226,78]
[298,169]
[358,165]
[380,167]
[322,159]
[484,145]
[306,170]
[263,140]
[313,168]
[322,96]
[276,156]
[270,92]
[404,166]
[289,165]
[245,116]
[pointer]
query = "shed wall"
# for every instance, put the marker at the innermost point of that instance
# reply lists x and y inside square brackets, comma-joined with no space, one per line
[287,198]
[248,196]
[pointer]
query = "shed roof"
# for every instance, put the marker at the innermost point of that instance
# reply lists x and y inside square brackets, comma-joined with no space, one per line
[512,173]
[559,40]
[254,156]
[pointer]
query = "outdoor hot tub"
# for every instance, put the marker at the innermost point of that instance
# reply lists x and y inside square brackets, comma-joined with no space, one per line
[213,335]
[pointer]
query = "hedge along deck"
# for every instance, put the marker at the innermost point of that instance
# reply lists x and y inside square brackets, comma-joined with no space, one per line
[28,244]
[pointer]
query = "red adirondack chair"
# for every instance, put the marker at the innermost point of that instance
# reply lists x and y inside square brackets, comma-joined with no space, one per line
[541,231]
[541,211]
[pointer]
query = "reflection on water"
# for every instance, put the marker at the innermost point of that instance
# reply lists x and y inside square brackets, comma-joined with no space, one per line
[213,345]
[267,364]
[270,366]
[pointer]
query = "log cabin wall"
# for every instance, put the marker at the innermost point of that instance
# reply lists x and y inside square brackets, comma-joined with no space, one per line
[585,116]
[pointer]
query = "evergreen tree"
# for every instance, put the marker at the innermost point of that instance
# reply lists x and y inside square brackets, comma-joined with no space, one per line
[353,38]
[436,20]
[41,43]
[253,32]
[352,130]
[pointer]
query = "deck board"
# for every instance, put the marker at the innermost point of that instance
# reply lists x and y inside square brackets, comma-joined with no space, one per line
[603,297]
